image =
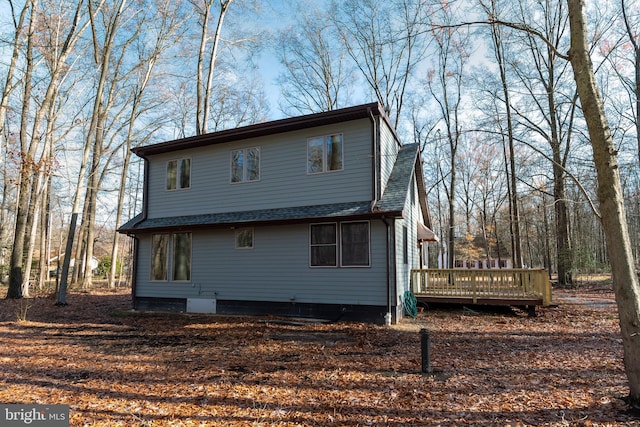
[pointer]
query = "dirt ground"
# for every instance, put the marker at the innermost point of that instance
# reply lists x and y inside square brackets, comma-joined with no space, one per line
[491,367]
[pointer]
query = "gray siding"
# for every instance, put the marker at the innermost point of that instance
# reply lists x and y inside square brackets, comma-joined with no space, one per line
[388,153]
[413,215]
[283,175]
[276,269]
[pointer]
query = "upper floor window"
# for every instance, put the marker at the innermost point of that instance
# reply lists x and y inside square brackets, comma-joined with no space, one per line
[178,174]
[245,165]
[324,153]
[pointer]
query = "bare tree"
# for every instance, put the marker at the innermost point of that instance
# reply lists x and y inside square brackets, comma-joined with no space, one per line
[204,85]
[386,42]
[508,138]
[610,197]
[31,141]
[445,84]
[94,129]
[633,84]
[167,23]
[10,83]
[317,75]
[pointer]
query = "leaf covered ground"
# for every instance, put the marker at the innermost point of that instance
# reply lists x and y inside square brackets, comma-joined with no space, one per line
[490,367]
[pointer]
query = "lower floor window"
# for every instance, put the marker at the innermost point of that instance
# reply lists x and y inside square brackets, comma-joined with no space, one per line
[324,246]
[347,241]
[159,256]
[181,256]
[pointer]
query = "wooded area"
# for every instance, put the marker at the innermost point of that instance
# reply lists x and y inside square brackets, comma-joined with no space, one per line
[527,114]
[497,367]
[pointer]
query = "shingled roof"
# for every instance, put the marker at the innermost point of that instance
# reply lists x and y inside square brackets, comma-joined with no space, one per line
[245,218]
[395,194]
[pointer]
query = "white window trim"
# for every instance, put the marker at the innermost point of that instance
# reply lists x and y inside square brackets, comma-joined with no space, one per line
[179,163]
[338,263]
[166,261]
[244,165]
[169,265]
[324,154]
[337,244]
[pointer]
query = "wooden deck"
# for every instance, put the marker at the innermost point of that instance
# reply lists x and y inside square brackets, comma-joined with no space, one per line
[518,287]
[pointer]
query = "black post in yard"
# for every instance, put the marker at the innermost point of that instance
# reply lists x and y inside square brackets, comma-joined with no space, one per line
[425,343]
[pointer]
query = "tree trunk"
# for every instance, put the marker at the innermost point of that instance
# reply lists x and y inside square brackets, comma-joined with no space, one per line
[224,5]
[451,237]
[563,242]
[9,85]
[564,253]
[45,241]
[24,188]
[94,128]
[610,197]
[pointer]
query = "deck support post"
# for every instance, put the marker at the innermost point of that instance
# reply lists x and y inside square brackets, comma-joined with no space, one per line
[425,344]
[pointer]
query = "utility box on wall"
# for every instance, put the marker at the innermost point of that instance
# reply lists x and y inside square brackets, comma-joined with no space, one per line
[201,305]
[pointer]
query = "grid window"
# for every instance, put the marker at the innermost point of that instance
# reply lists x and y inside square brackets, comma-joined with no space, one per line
[324,154]
[182,256]
[349,242]
[159,256]
[245,165]
[178,174]
[324,247]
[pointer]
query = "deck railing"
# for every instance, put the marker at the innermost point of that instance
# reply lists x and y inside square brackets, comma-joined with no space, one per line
[505,284]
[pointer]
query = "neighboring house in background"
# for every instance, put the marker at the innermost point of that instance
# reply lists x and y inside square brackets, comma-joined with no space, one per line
[321,215]
[471,253]
[484,263]
[57,261]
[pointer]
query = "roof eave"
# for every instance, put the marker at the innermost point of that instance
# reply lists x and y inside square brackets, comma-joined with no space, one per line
[264,129]
[209,226]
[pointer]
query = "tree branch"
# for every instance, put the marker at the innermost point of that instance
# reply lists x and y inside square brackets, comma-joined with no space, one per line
[520,27]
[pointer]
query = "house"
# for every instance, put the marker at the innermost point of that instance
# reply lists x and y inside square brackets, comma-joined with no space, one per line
[322,216]
[481,252]
[56,262]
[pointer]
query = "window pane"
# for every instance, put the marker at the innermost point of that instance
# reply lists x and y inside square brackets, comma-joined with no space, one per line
[314,155]
[182,256]
[405,245]
[253,164]
[185,173]
[323,256]
[323,234]
[244,238]
[159,258]
[237,160]
[334,152]
[355,243]
[324,248]
[172,174]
